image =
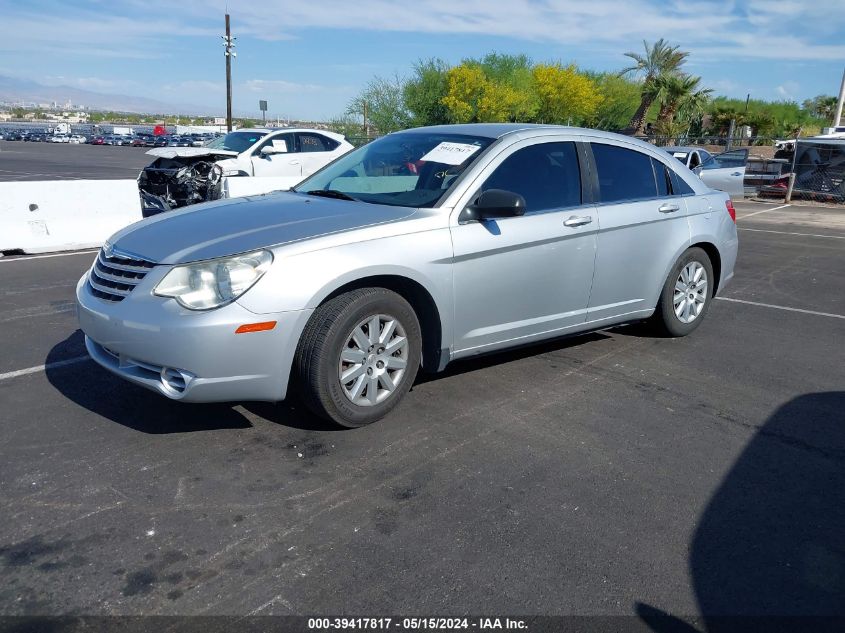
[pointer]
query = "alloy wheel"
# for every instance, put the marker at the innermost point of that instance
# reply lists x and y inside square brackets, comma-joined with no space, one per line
[690,292]
[373,360]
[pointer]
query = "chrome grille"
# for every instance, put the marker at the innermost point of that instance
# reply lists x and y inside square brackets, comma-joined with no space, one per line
[114,276]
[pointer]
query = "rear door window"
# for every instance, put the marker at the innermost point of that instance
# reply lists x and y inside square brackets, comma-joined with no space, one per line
[310,142]
[624,174]
[732,159]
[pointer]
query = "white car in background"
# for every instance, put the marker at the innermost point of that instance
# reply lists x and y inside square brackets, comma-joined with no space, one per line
[181,176]
[724,172]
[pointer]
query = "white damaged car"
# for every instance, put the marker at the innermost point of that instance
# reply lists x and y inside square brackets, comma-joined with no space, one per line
[180,176]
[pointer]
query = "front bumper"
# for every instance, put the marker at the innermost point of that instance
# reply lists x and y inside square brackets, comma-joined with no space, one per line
[188,355]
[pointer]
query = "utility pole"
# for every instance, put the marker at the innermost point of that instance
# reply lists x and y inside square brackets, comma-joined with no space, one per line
[229,45]
[366,126]
[837,120]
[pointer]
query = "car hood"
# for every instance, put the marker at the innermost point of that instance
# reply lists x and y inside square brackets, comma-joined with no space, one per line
[173,152]
[227,227]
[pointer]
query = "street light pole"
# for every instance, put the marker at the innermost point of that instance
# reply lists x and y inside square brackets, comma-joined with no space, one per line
[837,120]
[229,45]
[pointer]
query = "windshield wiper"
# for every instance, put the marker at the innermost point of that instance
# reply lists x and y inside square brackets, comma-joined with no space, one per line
[331,193]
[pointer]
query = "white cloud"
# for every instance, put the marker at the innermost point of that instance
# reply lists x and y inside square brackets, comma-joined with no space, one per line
[788,90]
[757,29]
[760,29]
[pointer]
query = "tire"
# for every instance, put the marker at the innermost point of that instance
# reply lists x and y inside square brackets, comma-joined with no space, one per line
[343,325]
[678,314]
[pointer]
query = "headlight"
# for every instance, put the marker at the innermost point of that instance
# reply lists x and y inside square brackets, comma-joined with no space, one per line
[211,284]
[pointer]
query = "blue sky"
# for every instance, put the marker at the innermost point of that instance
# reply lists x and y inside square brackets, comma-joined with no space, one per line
[308,59]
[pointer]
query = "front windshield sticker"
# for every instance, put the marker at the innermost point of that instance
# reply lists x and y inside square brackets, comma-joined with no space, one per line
[451,153]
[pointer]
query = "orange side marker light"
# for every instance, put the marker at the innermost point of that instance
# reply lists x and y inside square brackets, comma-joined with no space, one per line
[256,327]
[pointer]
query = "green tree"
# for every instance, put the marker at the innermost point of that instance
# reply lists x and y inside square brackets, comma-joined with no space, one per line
[424,92]
[821,106]
[348,125]
[659,59]
[384,103]
[620,98]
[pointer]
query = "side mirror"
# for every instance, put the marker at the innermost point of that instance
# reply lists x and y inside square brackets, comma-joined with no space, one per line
[495,203]
[697,170]
[269,150]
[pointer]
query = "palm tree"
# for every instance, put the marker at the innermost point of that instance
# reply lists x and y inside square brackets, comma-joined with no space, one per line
[660,59]
[680,92]
[680,103]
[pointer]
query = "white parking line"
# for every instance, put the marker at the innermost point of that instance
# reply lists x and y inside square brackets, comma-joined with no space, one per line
[788,309]
[835,237]
[38,368]
[783,206]
[4,260]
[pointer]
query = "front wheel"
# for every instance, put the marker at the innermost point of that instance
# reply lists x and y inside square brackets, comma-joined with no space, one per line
[685,298]
[359,356]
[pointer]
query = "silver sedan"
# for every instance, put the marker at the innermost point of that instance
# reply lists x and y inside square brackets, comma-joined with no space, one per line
[418,249]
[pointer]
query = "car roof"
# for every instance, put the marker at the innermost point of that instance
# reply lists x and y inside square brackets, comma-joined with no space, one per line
[268,130]
[499,130]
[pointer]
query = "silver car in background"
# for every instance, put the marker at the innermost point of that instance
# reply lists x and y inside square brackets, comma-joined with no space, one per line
[420,248]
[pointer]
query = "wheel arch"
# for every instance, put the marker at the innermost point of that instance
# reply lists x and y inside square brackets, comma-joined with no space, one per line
[433,356]
[715,260]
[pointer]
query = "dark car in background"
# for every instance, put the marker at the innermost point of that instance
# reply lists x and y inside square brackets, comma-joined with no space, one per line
[179,141]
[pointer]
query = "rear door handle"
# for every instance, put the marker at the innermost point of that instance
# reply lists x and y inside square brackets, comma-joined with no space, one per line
[294,162]
[578,221]
[668,208]
[737,173]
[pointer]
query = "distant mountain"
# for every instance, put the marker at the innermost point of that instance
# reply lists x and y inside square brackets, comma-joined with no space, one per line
[13,89]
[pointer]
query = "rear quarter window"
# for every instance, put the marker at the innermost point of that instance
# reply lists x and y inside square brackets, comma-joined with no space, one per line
[680,186]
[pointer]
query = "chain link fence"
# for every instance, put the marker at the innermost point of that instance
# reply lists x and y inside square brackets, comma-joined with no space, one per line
[819,170]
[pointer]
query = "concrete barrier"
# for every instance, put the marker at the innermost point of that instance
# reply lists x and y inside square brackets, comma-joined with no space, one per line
[60,215]
[250,186]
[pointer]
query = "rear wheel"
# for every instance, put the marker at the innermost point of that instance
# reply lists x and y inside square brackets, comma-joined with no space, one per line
[359,356]
[685,298]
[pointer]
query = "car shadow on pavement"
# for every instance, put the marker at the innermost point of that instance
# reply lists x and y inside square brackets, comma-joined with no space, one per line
[483,361]
[293,413]
[92,387]
[771,541]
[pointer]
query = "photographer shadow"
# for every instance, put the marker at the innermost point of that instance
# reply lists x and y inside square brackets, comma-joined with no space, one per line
[769,550]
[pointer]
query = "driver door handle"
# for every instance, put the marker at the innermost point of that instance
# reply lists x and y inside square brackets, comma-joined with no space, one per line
[668,208]
[737,173]
[578,221]
[294,162]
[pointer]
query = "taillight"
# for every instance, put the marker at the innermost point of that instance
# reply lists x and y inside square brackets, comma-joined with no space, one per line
[731,210]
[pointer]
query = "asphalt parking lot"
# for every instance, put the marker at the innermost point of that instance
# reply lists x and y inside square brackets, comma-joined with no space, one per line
[611,473]
[21,161]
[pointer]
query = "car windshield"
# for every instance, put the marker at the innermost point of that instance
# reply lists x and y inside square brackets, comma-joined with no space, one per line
[236,141]
[406,169]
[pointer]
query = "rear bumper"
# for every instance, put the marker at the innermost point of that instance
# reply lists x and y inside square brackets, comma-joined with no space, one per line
[190,356]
